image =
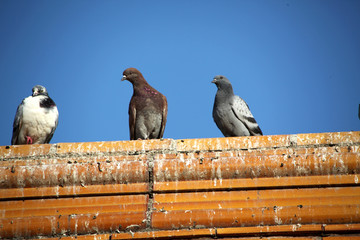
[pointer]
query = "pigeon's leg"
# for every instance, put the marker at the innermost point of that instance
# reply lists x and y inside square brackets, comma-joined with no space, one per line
[28,140]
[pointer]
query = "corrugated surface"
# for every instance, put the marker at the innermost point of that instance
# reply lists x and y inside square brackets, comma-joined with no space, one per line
[251,208]
[270,187]
[72,215]
[257,168]
[57,177]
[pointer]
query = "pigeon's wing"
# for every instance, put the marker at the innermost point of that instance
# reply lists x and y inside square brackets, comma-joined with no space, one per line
[163,117]
[132,120]
[49,104]
[49,137]
[242,112]
[17,123]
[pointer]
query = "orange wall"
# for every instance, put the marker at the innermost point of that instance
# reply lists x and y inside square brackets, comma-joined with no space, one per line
[304,185]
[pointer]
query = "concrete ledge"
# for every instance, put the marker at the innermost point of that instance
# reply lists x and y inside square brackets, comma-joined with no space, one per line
[303,185]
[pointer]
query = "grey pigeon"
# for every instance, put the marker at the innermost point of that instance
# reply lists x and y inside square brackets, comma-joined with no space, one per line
[36,118]
[231,113]
[147,108]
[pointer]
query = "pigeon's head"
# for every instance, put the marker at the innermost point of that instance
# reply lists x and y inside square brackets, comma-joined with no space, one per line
[132,75]
[221,81]
[39,90]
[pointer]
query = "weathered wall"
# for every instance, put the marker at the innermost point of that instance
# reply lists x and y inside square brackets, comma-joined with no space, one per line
[304,185]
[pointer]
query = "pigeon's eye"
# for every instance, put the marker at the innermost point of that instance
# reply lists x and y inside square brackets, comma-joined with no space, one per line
[221,77]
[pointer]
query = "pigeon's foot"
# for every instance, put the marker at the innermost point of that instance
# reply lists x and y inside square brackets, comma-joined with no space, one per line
[28,140]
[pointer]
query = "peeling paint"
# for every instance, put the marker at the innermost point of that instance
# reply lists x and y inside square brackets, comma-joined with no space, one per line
[296,227]
[228,168]
[277,220]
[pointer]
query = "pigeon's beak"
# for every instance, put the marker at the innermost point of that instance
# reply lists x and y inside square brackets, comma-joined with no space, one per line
[214,81]
[123,78]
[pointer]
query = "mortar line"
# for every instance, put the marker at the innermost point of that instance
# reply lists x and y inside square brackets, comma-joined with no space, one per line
[150,191]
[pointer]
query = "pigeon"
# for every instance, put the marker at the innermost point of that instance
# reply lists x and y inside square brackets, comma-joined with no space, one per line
[231,113]
[147,110]
[36,118]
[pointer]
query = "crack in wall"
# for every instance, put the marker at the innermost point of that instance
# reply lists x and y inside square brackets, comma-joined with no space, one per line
[150,191]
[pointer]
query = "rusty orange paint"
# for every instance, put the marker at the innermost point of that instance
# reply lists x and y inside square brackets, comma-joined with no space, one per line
[259,198]
[206,144]
[118,146]
[273,238]
[289,152]
[51,160]
[248,183]
[68,206]
[239,217]
[255,166]
[16,151]
[291,194]
[72,216]
[82,237]
[270,141]
[71,224]
[328,138]
[71,174]
[342,238]
[241,187]
[247,208]
[182,233]
[239,232]
[71,191]
[342,227]
[236,231]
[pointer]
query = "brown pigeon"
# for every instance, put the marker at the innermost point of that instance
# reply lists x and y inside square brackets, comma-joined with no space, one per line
[147,109]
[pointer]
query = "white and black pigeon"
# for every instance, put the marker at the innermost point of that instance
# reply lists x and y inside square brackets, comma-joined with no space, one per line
[231,113]
[36,118]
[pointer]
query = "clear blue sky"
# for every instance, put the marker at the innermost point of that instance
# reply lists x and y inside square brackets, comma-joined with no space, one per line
[296,63]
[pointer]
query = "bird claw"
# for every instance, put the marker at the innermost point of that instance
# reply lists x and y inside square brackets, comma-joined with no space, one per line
[28,140]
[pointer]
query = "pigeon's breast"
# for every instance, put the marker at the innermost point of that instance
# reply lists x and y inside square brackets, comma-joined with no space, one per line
[38,122]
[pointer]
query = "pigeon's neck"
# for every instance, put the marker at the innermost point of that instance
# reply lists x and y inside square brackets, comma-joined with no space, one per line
[143,88]
[47,103]
[225,90]
[139,83]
